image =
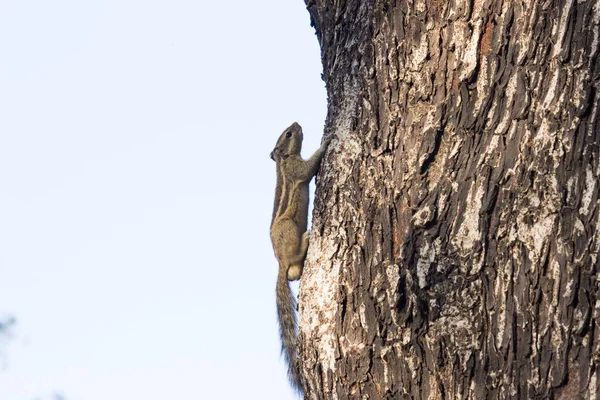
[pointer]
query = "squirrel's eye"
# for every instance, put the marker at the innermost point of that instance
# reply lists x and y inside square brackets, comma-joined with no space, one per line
[288,135]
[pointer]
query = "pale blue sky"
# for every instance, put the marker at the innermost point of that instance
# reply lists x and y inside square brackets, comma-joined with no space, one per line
[136,192]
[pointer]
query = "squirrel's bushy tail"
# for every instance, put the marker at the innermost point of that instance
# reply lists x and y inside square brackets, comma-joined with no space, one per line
[286,313]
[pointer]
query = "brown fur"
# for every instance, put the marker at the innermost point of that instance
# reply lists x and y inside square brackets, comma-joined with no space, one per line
[288,233]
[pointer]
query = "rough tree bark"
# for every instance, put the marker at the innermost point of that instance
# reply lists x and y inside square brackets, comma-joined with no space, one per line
[455,238]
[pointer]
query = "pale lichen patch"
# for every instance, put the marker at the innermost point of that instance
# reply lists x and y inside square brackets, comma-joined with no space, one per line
[483,83]
[427,255]
[468,232]
[491,151]
[578,226]
[571,184]
[423,216]
[471,57]
[544,142]
[596,12]
[525,33]
[320,285]
[534,236]
[551,93]
[501,325]
[588,193]
[393,277]
[595,248]
[595,40]
[455,148]
[460,35]
[593,387]
[561,28]
[420,6]
[579,92]
[420,54]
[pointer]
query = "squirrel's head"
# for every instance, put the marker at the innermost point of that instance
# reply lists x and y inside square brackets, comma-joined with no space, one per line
[289,143]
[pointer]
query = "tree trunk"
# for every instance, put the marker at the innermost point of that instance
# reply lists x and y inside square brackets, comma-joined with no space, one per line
[454,248]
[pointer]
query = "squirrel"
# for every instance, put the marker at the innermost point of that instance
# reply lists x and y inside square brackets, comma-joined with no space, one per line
[289,235]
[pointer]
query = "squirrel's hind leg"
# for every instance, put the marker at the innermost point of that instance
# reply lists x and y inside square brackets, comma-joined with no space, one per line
[294,272]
